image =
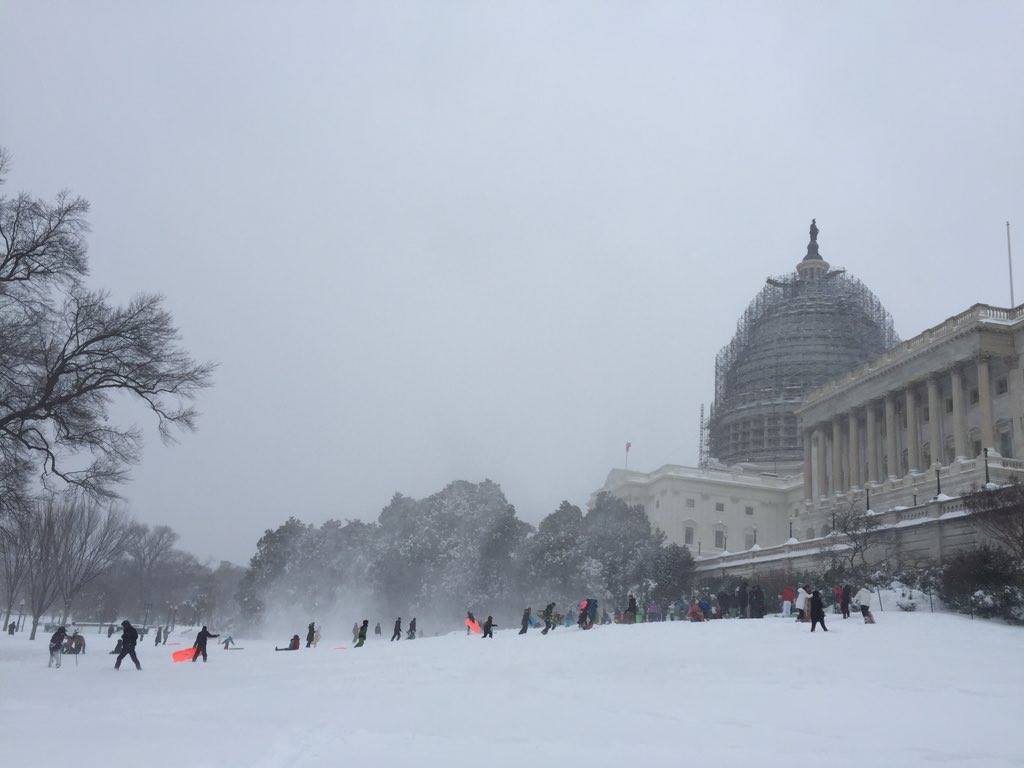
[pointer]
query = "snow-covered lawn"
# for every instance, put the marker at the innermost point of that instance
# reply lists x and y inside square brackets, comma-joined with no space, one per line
[914,689]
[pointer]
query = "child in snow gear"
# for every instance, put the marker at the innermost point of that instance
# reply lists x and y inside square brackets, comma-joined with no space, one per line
[397,634]
[129,637]
[159,636]
[293,644]
[488,625]
[310,633]
[526,622]
[200,643]
[355,631]
[817,611]
[167,635]
[583,621]
[57,646]
[844,600]
[361,635]
[411,633]
[377,631]
[227,642]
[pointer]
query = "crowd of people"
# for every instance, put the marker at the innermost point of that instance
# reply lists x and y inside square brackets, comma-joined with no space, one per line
[744,602]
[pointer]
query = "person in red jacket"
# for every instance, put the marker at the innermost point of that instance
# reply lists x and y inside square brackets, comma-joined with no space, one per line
[788,597]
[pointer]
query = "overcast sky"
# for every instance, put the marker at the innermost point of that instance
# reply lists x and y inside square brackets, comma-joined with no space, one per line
[457,240]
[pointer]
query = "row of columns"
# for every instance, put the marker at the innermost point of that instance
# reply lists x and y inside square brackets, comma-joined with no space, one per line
[846,466]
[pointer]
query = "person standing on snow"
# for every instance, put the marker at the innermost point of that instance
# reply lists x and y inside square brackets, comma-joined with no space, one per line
[227,642]
[378,631]
[361,634]
[742,600]
[397,634]
[817,611]
[129,637]
[631,610]
[411,633]
[167,635]
[863,601]
[788,597]
[526,622]
[159,635]
[549,612]
[488,628]
[844,600]
[57,647]
[316,637]
[310,633]
[355,630]
[200,644]
[802,596]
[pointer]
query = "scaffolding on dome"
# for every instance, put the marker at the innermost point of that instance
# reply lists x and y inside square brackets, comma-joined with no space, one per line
[798,333]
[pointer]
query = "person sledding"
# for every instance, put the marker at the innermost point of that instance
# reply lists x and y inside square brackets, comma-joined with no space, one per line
[129,637]
[361,636]
[293,644]
[200,644]
[57,647]
[526,622]
[489,628]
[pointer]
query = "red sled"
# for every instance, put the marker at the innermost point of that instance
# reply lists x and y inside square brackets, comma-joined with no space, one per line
[474,627]
[185,654]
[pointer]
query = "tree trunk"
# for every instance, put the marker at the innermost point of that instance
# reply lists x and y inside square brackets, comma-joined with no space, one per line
[7,617]
[35,623]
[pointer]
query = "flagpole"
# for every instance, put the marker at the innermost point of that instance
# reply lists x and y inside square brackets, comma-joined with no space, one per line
[1009,260]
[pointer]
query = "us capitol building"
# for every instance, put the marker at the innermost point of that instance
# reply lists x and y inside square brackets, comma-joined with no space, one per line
[819,408]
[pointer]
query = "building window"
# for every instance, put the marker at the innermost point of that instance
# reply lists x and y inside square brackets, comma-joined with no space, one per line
[1006,444]
[974,397]
[949,405]
[719,506]
[690,503]
[925,414]
[1002,386]
[688,535]
[976,444]
[810,533]
[926,455]
[719,539]
[748,539]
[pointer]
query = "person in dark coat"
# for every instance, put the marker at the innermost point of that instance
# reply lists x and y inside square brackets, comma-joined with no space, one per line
[844,600]
[378,631]
[397,634]
[411,633]
[167,635]
[310,633]
[488,628]
[200,643]
[470,619]
[362,632]
[57,646]
[631,610]
[526,622]
[724,603]
[293,645]
[129,637]
[159,636]
[742,600]
[817,611]
[548,616]
[756,603]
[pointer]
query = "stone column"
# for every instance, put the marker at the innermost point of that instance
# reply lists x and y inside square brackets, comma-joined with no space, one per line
[808,478]
[872,433]
[854,450]
[934,423]
[890,437]
[959,413]
[988,426]
[837,455]
[913,442]
[819,435]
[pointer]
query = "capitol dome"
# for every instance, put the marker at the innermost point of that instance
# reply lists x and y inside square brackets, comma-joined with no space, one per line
[800,331]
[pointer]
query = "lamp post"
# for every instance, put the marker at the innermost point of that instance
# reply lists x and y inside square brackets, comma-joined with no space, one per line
[867,498]
[698,547]
[938,483]
[755,535]
[987,480]
[791,528]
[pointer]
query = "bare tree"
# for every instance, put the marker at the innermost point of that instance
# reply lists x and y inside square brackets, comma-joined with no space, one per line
[14,550]
[148,548]
[91,540]
[999,514]
[65,350]
[41,533]
[855,533]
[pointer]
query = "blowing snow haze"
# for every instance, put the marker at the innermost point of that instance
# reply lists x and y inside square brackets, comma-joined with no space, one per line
[428,242]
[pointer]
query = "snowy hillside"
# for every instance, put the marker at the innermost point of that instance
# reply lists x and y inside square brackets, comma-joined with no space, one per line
[914,689]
